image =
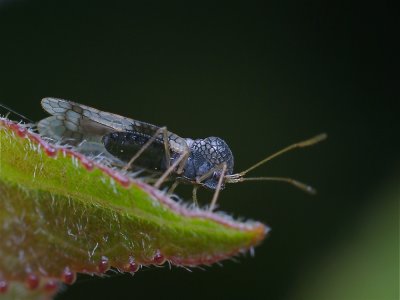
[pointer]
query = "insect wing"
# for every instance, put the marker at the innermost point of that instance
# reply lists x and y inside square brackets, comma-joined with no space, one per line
[69,124]
[72,111]
[82,122]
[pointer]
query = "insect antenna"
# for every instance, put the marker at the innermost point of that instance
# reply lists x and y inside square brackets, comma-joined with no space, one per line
[239,177]
[10,110]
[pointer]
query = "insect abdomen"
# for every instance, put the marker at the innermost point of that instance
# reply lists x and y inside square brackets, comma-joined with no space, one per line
[124,145]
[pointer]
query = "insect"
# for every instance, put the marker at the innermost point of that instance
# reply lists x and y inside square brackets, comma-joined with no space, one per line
[204,162]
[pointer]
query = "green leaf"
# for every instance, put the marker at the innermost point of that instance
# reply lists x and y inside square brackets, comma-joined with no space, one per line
[61,213]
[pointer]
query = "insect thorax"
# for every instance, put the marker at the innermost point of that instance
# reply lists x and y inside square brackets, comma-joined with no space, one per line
[206,154]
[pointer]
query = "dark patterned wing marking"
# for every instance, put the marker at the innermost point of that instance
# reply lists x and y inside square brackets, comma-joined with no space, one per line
[69,124]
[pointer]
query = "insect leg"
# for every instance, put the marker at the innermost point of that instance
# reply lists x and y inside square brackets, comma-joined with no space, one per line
[173,187]
[218,189]
[162,130]
[209,173]
[194,192]
[166,147]
[222,167]
[186,154]
[180,161]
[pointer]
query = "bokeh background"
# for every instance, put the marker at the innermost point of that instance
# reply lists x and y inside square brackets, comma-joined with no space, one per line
[261,76]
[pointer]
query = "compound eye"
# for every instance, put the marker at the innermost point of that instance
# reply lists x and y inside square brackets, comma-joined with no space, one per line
[218,152]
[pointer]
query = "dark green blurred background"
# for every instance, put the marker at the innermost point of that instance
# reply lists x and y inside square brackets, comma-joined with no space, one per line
[260,77]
